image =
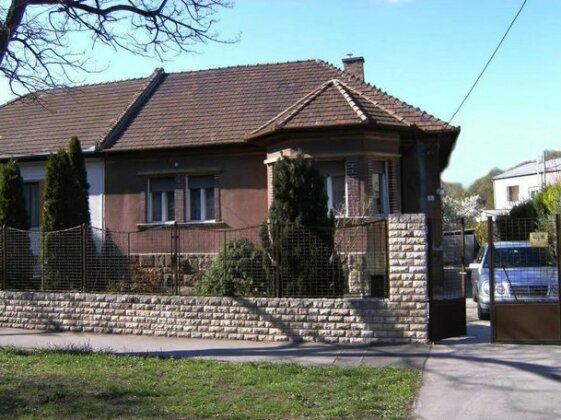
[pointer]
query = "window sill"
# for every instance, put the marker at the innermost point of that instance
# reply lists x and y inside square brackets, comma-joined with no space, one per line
[156,225]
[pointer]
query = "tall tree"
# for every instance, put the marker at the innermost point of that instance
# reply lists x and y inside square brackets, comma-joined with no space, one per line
[298,236]
[12,201]
[37,37]
[59,185]
[81,187]
[13,215]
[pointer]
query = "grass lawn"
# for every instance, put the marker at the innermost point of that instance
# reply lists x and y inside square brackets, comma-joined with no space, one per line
[59,384]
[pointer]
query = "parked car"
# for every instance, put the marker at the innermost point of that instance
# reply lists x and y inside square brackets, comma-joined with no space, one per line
[522,273]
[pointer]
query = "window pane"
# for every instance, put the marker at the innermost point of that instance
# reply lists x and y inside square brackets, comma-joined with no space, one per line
[31,194]
[156,207]
[162,184]
[209,201]
[338,193]
[195,205]
[171,205]
[377,199]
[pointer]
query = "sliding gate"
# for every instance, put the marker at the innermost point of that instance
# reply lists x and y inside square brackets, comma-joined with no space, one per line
[523,265]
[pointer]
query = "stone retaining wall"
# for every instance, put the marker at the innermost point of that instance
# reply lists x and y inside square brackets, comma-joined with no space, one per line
[402,318]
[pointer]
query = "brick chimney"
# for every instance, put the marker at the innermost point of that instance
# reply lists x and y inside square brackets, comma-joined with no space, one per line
[354,66]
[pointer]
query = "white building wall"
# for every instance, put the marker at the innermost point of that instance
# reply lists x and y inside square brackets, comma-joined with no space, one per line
[35,171]
[526,185]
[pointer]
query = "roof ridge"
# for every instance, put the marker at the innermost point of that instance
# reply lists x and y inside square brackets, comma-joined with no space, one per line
[299,105]
[386,94]
[376,104]
[151,82]
[354,106]
[241,66]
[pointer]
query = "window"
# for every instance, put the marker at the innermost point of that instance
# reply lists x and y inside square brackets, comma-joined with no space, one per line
[512,193]
[200,197]
[336,195]
[31,195]
[161,199]
[379,199]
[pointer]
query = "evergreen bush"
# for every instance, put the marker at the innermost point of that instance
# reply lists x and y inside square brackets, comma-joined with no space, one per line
[14,218]
[298,237]
[236,271]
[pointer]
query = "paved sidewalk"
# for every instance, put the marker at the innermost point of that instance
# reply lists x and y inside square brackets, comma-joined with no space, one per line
[233,351]
[468,378]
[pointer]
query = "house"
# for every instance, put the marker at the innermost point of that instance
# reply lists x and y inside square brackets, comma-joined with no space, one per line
[197,147]
[520,183]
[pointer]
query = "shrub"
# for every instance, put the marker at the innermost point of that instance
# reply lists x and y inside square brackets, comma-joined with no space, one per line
[13,216]
[298,236]
[237,270]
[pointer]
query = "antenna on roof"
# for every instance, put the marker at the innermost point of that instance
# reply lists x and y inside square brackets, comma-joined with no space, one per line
[349,55]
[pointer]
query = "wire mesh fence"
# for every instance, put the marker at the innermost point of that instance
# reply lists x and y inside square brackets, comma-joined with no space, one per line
[520,261]
[268,260]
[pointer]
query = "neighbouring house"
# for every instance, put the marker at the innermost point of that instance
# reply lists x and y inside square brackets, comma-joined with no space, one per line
[196,147]
[520,183]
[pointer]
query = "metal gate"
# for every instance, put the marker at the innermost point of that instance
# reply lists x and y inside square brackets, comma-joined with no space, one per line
[447,260]
[521,265]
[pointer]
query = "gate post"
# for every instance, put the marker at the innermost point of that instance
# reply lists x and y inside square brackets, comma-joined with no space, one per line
[84,256]
[558,258]
[4,243]
[175,257]
[491,252]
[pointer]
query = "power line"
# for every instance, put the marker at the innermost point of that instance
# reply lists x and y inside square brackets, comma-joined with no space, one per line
[488,61]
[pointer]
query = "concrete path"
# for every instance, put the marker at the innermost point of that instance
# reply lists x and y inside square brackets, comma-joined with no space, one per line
[233,351]
[468,378]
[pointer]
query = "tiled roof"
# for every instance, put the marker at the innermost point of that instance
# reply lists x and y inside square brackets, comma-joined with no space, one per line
[531,168]
[332,104]
[216,106]
[44,124]
[231,104]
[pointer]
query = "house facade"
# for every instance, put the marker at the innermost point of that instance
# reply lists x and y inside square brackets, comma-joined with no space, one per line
[520,183]
[197,147]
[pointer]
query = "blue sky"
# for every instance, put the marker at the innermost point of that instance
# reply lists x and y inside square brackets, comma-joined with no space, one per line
[426,52]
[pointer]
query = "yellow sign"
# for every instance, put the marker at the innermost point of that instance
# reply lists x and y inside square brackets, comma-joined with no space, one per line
[538,239]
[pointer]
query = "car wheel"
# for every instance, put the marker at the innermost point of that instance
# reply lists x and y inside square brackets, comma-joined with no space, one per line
[481,314]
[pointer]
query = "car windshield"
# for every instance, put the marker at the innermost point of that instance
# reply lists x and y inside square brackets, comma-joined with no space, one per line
[521,257]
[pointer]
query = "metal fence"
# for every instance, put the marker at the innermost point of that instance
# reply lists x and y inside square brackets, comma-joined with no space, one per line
[268,260]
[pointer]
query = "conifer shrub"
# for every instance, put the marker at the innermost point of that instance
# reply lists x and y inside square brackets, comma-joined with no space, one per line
[298,237]
[14,219]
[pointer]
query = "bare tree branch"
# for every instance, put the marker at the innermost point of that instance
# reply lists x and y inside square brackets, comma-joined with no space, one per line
[38,37]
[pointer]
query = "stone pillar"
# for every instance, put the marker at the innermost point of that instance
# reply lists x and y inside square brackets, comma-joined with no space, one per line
[408,269]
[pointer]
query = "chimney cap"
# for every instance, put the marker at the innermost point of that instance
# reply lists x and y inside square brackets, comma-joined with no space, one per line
[350,59]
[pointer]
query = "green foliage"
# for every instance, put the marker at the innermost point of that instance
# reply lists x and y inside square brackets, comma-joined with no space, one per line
[298,237]
[61,264]
[58,212]
[12,200]
[13,216]
[299,193]
[79,198]
[236,271]
[483,187]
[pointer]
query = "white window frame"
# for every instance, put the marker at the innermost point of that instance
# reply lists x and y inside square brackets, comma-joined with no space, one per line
[164,205]
[188,218]
[329,190]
